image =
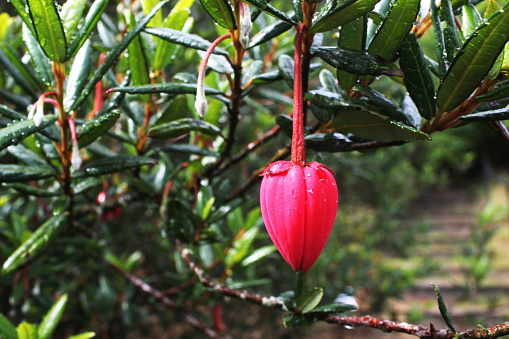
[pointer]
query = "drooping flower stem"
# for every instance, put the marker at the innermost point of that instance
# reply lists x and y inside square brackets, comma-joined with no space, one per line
[298,153]
[300,283]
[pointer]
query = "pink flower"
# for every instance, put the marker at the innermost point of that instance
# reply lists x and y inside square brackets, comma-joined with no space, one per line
[299,205]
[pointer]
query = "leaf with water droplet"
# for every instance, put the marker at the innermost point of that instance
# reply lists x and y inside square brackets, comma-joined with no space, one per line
[112,165]
[18,131]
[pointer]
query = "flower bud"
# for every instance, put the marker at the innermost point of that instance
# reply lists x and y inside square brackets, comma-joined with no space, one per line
[299,205]
[39,112]
[201,101]
[245,25]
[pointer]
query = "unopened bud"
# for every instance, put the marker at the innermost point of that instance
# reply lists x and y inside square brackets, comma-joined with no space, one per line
[245,26]
[39,113]
[75,159]
[201,102]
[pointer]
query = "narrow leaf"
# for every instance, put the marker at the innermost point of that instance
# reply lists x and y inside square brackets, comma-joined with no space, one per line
[471,19]
[343,15]
[21,8]
[48,28]
[112,165]
[37,57]
[309,299]
[51,319]
[138,59]
[450,35]
[86,335]
[297,7]
[17,173]
[501,91]
[16,75]
[285,66]
[439,40]
[26,72]
[79,72]
[221,12]
[14,133]
[170,88]
[31,190]
[327,142]
[443,309]
[264,6]
[72,13]
[494,115]
[394,28]
[418,81]
[94,128]
[180,127]
[112,56]
[474,61]
[268,33]
[8,113]
[7,329]
[34,246]
[352,36]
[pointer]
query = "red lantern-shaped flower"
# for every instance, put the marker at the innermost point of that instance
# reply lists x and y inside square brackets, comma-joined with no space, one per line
[299,205]
[298,200]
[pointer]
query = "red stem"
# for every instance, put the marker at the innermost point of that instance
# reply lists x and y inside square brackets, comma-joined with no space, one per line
[298,153]
[203,65]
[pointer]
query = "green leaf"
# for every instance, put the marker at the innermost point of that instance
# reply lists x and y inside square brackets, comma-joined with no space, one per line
[180,127]
[269,32]
[286,124]
[21,8]
[51,319]
[72,13]
[265,7]
[394,29]
[292,320]
[86,335]
[474,61]
[96,127]
[327,99]
[17,75]
[443,309]
[79,71]
[439,40]
[94,14]
[330,309]
[357,62]
[328,81]
[147,5]
[24,70]
[450,35]
[327,142]
[343,15]
[17,131]
[138,59]
[352,36]
[185,39]
[241,247]
[418,81]
[221,12]
[175,21]
[471,19]
[27,331]
[112,56]
[31,190]
[258,255]
[35,246]
[297,7]
[8,113]
[286,67]
[117,99]
[112,165]
[37,57]
[186,149]
[373,126]
[170,88]
[309,299]
[7,329]
[499,92]
[48,28]
[494,115]
[26,156]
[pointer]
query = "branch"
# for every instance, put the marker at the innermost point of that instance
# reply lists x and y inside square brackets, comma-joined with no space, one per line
[164,299]
[500,129]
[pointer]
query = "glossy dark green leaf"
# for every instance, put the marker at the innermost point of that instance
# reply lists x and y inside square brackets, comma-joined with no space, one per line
[474,61]
[51,318]
[186,149]
[352,36]
[268,77]
[176,20]
[343,15]
[297,8]
[328,81]
[185,39]
[18,173]
[382,104]
[26,156]
[138,60]
[286,124]
[327,142]
[10,114]
[7,329]
[112,56]
[269,32]
[501,91]
[295,319]
[373,126]
[48,28]
[34,246]
[96,127]
[418,81]
[439,40]
[264,6]
[324,115]
[443,309]
[330,309]
[26,72]
[117,99]
[357,62]
[221,12]
[394,29]
[333,100]
[20,102]
[470,19]
[450,35]
[31,190]
[493,115]
[86,184]
[17,131]
[94,14]
[180,127]
[37,57]
[112,165]
[309,299]
[72,13]
[17,75]
[21,8]
[286,66]
[79,72]
[218,63]
[170,88]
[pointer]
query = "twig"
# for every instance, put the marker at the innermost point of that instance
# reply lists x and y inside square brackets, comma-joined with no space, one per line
[164,299]
[500,129]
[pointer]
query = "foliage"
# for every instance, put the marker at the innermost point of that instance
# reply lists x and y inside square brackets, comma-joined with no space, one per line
[115,188]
